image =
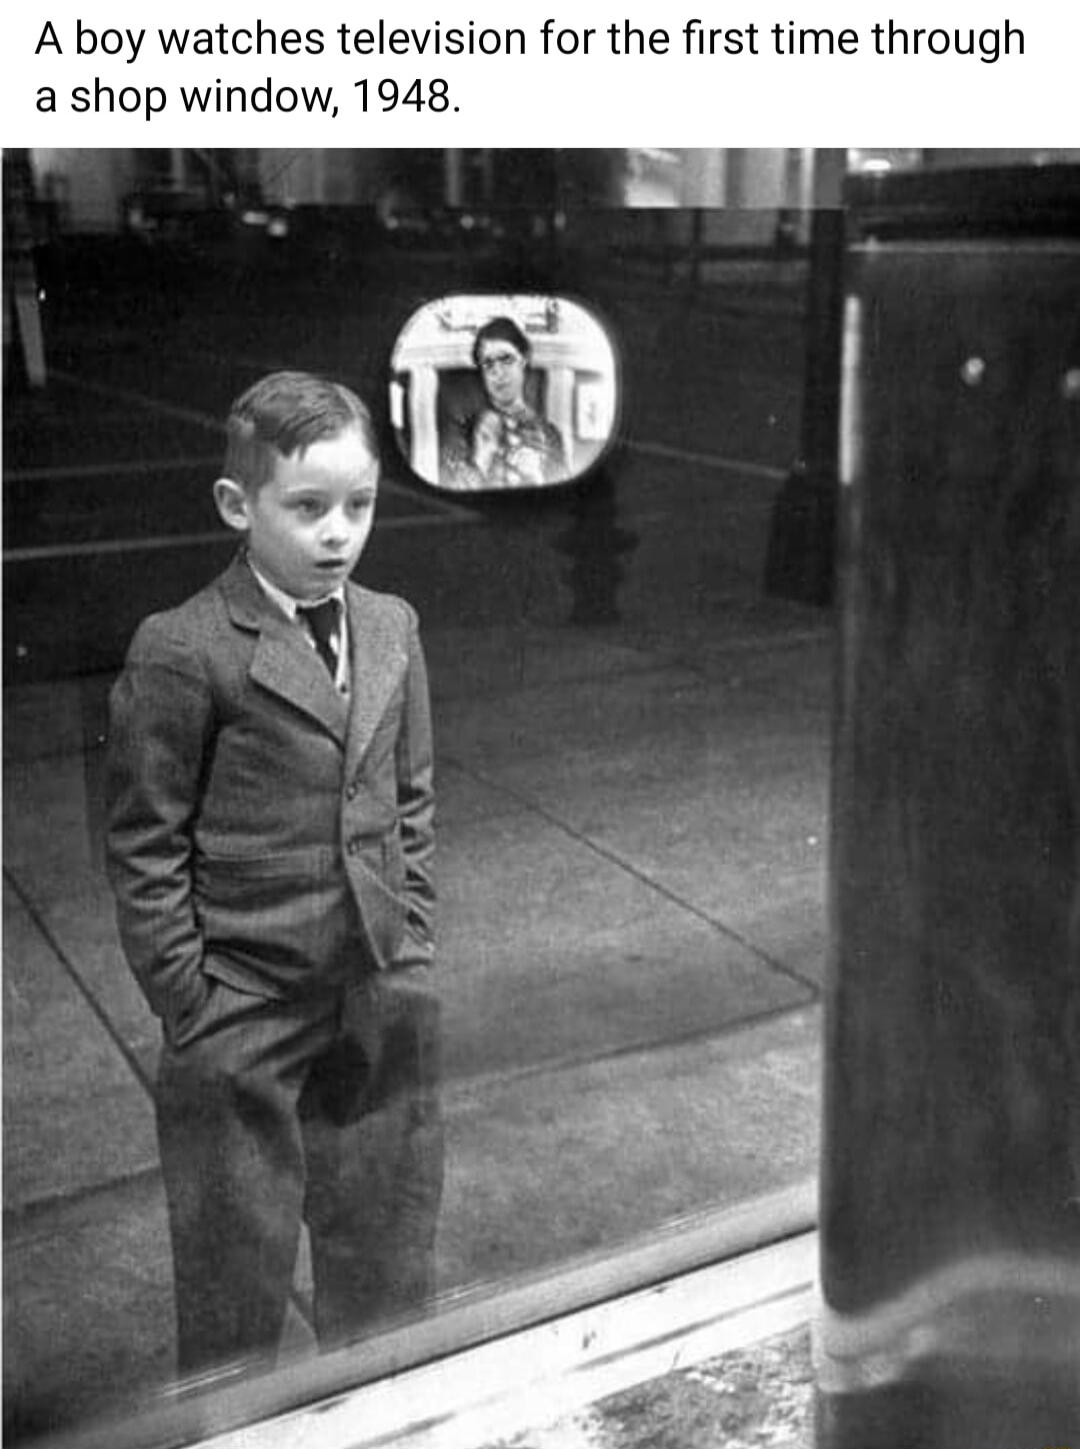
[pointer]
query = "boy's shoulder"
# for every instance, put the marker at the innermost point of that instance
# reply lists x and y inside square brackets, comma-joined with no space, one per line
[374,604]
[190,618]
[196,637]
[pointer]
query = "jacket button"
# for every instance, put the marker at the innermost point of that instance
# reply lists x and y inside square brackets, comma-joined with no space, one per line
[351,790]
[352,845]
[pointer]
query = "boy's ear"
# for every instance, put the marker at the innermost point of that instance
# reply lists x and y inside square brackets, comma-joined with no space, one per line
[232,504]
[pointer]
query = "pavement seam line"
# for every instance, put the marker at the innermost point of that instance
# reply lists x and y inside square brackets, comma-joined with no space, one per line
[465,1084]
[614,858]
[706,460]
[38,552]
[38,1216]
[55,472]
[49,937]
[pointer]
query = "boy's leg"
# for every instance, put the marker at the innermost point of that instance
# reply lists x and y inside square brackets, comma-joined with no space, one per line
[232,1160]
[373,1137]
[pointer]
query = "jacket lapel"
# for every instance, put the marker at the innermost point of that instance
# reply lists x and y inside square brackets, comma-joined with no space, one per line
[378,661]
[283,662]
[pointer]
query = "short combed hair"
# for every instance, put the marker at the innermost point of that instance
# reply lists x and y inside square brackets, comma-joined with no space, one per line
[284,413]
[500,329]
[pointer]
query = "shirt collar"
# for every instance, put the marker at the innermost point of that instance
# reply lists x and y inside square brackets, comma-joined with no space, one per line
[285,602]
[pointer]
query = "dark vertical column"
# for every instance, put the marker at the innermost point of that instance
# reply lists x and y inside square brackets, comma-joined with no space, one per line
[950,1223]
[801,555]
[22,321]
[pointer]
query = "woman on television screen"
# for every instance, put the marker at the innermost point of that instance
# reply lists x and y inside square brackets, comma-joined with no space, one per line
[507,444]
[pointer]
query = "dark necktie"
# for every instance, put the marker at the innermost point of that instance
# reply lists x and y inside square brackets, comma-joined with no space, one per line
[324,622]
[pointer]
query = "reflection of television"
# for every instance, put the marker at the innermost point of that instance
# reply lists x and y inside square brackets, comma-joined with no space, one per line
[436,390]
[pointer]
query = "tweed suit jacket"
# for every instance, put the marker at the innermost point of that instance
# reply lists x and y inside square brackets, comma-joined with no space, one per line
[263,828]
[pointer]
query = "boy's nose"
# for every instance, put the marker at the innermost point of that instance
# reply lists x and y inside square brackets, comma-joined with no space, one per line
[335,529]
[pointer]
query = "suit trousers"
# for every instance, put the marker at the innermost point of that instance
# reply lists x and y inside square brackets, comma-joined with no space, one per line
[274,1112]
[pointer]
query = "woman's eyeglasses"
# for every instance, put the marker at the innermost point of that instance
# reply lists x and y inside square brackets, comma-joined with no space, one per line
[498,359]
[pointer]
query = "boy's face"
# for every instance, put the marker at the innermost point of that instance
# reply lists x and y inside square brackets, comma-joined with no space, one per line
[308,524]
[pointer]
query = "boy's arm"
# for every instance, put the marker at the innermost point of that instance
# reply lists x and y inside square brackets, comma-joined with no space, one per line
[416,808]
[159,732]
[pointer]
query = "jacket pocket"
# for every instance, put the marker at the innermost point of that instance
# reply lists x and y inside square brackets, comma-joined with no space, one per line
[282,915]
[383,910]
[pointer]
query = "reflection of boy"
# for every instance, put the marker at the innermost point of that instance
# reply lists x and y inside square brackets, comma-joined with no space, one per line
[270,844]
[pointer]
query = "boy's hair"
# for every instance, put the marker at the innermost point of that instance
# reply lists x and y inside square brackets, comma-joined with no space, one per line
[284,413]
[501,329]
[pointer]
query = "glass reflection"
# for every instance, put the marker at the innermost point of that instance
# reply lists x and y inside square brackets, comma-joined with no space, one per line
[493,393]
[629,769]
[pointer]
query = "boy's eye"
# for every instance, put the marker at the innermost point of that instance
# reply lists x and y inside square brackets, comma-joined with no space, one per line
[308,507]
[361,502]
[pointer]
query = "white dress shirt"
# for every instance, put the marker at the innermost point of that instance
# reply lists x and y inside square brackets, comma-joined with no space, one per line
[291,608]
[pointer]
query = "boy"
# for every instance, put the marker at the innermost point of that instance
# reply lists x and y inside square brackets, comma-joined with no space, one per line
[270,846]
